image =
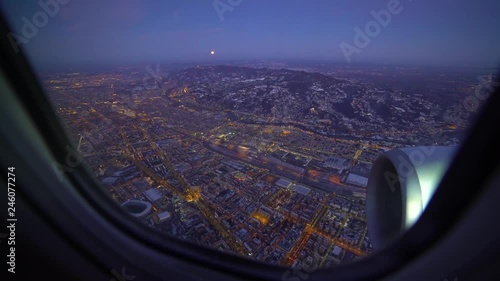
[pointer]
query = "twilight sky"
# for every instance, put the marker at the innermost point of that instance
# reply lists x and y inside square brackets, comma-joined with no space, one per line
[425,32]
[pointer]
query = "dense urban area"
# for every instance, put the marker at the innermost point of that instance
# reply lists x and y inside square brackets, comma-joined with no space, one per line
[265,160]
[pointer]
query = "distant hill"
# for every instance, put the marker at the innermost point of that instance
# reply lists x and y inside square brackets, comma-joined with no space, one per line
[305,97]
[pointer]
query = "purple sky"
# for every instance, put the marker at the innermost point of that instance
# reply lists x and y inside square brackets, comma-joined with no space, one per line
[432,32]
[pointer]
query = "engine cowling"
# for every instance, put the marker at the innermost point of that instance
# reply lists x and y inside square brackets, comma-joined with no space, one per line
[401,184]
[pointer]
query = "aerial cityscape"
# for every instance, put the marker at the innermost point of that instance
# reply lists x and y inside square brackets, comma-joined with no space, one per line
[246,139]
[268,160]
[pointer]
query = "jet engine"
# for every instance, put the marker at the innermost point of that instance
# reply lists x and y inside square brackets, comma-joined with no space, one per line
[401,184]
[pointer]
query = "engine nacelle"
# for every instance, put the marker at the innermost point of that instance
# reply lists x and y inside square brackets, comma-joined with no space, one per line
[400,185]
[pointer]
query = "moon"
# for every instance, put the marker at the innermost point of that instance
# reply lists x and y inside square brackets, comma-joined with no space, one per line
[212,52]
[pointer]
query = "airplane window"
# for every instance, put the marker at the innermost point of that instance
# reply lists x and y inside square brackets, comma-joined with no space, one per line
[257,127]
